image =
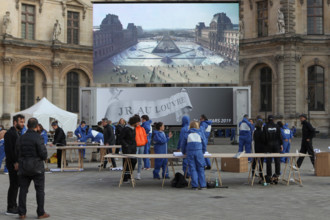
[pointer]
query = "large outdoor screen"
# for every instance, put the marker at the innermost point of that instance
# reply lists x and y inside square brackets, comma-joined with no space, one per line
[168,43]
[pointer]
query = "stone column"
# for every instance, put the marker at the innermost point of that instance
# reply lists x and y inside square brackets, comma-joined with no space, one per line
[8,96]
[280,84]
[56,83]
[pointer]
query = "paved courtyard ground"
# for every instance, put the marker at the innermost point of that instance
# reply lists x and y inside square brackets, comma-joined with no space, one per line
[95,195]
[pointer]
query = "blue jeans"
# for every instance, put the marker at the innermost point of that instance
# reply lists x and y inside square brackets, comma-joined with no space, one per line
[146,161]
[2,156]
[139,150]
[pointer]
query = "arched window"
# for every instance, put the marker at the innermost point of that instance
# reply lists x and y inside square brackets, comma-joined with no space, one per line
[315,88]
[72,92]
[27,88]
[266,89]
[314,16]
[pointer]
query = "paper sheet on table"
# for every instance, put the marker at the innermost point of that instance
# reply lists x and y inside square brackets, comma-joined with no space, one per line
[207,154]
[177,154]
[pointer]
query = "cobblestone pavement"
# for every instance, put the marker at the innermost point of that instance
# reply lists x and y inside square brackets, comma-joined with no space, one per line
[95,195]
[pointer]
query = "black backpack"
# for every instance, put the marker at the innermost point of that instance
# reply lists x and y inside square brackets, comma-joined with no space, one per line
[179,181]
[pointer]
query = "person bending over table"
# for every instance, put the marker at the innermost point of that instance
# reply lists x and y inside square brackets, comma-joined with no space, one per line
[160,140]
[194,146]
[128,142]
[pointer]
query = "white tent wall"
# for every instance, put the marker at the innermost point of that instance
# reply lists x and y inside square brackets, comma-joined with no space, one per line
[44,110]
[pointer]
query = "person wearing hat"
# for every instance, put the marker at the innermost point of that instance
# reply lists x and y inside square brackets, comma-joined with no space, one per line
[308,133]
[245,135]
[274,144]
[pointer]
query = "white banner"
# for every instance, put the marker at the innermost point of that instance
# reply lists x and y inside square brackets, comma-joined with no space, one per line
[179,104]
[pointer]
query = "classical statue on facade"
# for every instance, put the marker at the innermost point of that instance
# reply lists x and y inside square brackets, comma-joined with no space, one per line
[241,29]
[280,22]
[56,30]
[6,25]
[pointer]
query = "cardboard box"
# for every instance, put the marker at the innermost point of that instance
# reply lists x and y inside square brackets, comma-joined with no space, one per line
[234,165]
[322,164]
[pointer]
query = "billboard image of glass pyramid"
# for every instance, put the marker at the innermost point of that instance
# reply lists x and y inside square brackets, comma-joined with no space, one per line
[166,45]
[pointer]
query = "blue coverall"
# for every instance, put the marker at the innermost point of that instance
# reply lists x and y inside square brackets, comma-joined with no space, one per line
[148,128]
[194,146]
[82,131]
[184,130]
[160,140]
[287,135]
[245,136]
[44,136]
[233,134]
[2,154]
[206,127]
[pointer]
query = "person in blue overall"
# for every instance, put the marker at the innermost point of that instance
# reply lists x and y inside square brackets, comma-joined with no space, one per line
[245,135]
[287,135]
[2,149]
[160,146]
[294,131]
[146,124]
[194,146]
[184,130]
[206,127]
[43,133]
[80,132]
[95,136]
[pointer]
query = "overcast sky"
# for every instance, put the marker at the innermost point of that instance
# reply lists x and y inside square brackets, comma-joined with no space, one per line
[171,16]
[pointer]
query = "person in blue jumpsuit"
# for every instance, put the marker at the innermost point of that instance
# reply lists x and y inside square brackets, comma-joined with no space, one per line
[160,147]
[206,126]
[287,136]
[233,134]
[294,131]
[184,130]
[245,135]
[194,146]
[95,136]
[146,124]
[2,149]
[43,133]
[80,132]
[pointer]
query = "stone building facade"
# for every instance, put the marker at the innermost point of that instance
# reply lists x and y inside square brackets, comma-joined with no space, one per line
[220,36]
[112,38]
[46,51]
[285,58]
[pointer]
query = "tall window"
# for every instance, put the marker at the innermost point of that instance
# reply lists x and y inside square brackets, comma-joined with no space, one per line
[262,8]
[314,16]
[28,21]
[72,92]
[266,89]
[27,88]
[73,28]
[315,88]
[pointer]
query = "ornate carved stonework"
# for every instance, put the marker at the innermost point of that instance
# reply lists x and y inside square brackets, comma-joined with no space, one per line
[17,4]
[7,60]
[279,58]
[84,12]
[63,2]
[251,4]
[41,3]
[316,61]
[298,58]
[270,3]
[56,64]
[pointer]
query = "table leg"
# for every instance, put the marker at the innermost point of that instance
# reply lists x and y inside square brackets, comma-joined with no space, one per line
[216,163]
[165,174]
[123,173]
[262,169]
[284,171]
[63,161]
[250,171]
[130,167]
[295,162]
[291,170]
[253,174]
[102,154]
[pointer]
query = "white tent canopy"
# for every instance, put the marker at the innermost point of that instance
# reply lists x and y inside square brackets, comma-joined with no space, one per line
[45,112]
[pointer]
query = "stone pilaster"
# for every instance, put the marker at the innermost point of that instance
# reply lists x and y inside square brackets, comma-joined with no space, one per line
[8,98]
[280,84]
[56,83]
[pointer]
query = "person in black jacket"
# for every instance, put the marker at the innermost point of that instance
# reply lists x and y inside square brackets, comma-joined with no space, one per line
[10,139]
[308,133]
[259,145]
[99,127]
[109,139]
[59,140]
[273,143]
[31,155]
[128,143]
